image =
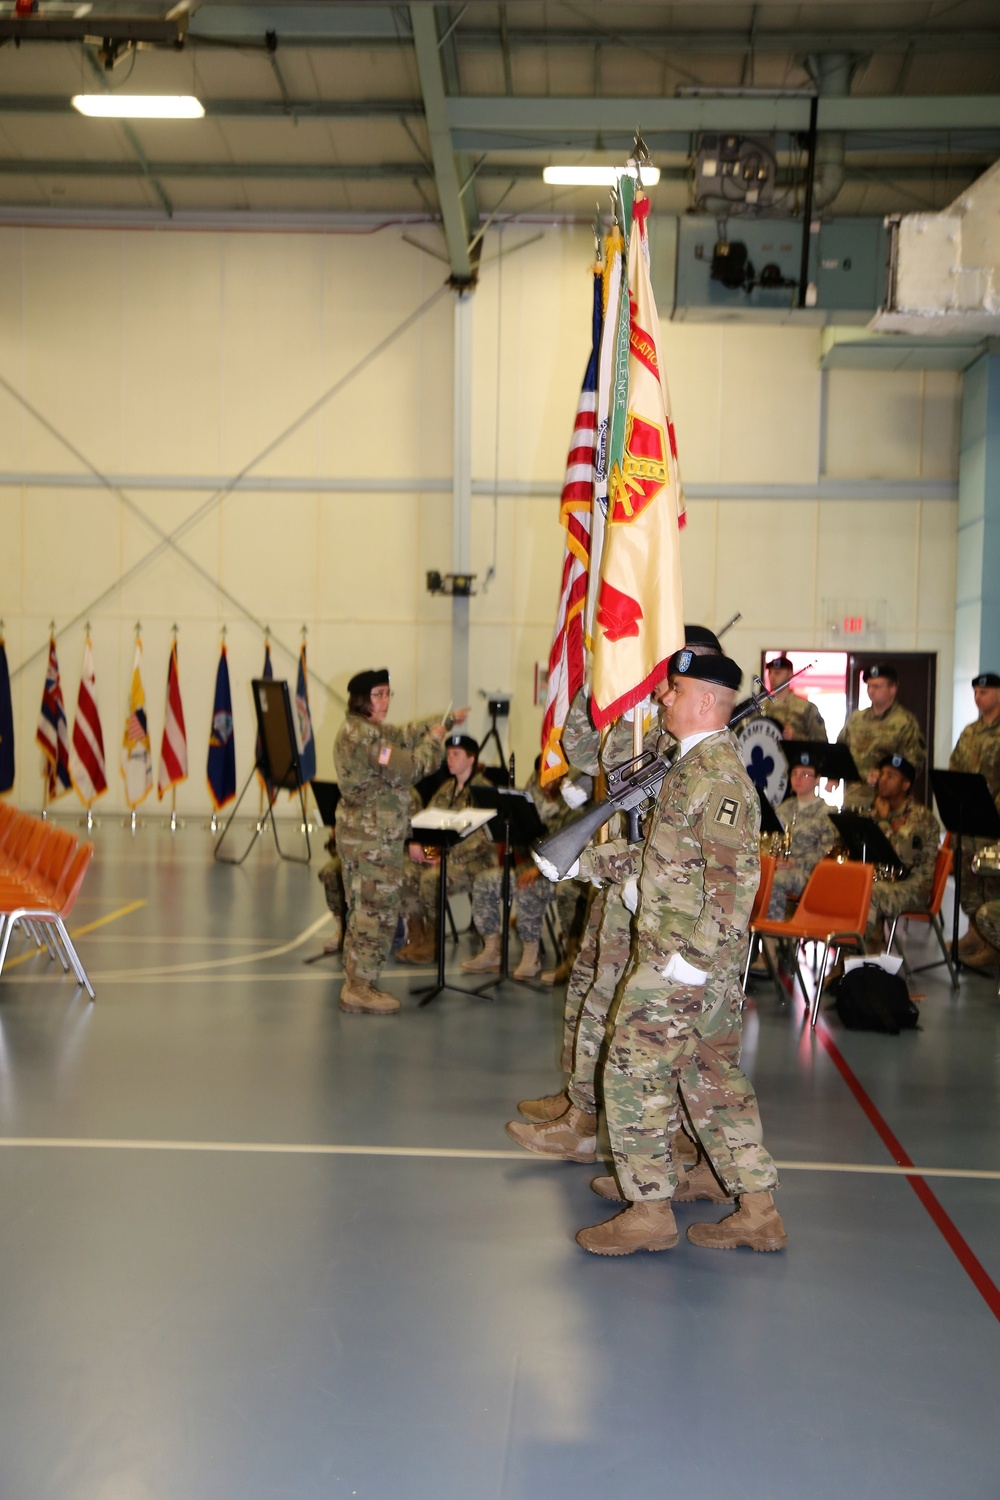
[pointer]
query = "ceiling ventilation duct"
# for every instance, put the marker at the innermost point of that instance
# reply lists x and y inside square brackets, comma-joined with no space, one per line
[944,269]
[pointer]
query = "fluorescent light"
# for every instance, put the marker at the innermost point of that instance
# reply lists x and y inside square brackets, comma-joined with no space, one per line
[139,106]
[597,176]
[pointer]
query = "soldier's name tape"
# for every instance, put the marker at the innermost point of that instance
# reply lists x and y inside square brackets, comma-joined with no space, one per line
[452,1153]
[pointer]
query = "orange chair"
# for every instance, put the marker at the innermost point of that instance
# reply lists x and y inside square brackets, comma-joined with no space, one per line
[761,902]
[15,910]
[16,843]
[942,869]
[833,911]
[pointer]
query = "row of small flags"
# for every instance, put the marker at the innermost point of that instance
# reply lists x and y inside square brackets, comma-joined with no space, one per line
[78,760]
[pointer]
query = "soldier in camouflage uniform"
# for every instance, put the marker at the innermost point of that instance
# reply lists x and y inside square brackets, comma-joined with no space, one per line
[376,763]
[809,831]
[914,833]
[978,750]
[886,728]
[798,718]
[988,923]
[467,859]
[677,1016]
[331,878]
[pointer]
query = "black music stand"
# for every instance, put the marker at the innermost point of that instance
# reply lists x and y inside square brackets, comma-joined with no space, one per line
[866,843]
[966,807]
[833,762]
[521,827]
[327,794]
[769,820]
[277,760]
[443,839]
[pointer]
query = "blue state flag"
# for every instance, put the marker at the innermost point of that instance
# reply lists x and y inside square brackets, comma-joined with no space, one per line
[267,674]
[221,744]
[6,725]
[303,723]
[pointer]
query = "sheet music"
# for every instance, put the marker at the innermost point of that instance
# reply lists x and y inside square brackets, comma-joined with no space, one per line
[462,822]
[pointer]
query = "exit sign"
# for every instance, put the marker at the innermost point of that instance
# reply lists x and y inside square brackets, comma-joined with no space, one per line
[854,625]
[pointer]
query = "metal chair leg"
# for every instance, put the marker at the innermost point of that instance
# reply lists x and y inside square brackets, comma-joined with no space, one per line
[945,950]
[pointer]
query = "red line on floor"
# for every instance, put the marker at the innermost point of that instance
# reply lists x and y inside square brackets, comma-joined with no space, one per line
[971,1265]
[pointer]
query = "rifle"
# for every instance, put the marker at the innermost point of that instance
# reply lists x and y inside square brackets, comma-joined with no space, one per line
[630,785]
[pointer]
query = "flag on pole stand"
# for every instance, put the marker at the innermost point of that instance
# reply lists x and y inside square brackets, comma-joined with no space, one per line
[303,723]
[614,263]
[137,753]
[221,744]
[567,662]
[639,617]
[173,746]
[86,761]
[52,734]
[6,724]
[267,674]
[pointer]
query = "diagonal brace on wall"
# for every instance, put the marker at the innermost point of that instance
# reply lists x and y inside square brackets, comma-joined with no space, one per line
[447,173]
[171,540]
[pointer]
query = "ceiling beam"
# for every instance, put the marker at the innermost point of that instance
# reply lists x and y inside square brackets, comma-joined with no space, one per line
[755,113]
[241,109]
[447,174]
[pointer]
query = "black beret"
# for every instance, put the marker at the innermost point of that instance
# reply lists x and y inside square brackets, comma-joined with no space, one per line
[898,763]
[721,670]
[986,679]
[781,662]
[801,758]
[462,742]
[361,684]
[700,635]
[880,669]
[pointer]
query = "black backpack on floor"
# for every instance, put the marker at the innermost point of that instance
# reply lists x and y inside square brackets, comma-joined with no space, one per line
[869,999]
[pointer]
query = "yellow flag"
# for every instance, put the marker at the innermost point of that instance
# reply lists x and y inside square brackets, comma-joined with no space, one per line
[639,620]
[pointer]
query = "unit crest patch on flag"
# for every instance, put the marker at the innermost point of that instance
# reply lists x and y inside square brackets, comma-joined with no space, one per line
[643,472]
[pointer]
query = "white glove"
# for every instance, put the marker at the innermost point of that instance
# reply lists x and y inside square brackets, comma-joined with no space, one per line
[681,972]
[549,870]
[630,895]
[572,794]
[629,714]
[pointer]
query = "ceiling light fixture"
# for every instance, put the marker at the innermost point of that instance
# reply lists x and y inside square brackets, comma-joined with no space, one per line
[597,176]
[139,106]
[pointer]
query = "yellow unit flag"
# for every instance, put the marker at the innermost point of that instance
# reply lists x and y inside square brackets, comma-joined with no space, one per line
[639,620]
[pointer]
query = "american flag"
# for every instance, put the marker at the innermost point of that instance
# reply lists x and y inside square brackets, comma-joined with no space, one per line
[567,665]
[52,733]
[86,762]
[173,746]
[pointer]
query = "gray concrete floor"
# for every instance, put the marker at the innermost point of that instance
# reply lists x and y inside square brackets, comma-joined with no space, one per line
[198,1324]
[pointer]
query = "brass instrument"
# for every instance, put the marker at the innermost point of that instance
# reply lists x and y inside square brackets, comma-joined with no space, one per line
[777,845]
[987,861]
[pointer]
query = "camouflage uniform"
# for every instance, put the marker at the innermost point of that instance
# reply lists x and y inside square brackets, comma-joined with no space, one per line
[466,860]
[914,833]
[812,836]
[988,922]
[376,766]
[870,739]
[798,715]
[530,900]
[698,875]
[332,879]
[978,750]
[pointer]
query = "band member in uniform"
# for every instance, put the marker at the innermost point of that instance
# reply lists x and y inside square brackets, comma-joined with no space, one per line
[377,763]
[466,859]
[799,718]
[808,831]
[886,728]
[915,834]
[978,750]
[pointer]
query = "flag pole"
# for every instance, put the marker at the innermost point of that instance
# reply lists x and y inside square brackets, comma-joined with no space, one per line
[174,825]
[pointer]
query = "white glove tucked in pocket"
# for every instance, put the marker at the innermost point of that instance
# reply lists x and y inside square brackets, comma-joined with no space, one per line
[680,971]
[630,895]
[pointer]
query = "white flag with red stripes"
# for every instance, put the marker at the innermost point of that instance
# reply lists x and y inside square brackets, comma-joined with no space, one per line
[173,747]
[86,756]
[567,659]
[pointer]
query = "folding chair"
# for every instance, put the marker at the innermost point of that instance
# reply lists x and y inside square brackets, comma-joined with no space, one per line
[942,869]
[761,902]
[832,911]
[16,910]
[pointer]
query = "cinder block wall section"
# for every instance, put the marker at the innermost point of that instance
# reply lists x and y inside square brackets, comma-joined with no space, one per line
[172,360]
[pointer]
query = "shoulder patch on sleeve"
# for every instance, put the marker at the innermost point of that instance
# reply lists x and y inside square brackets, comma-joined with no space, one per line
[726,817]
[384,754]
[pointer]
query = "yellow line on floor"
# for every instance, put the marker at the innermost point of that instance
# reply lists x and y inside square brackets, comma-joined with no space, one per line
[112,916]
[455,1153]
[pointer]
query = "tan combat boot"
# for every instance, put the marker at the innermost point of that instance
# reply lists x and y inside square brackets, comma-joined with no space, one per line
[756,1224]
[699,1183]
[418,934]
[643,1226]
[607,1187]
[572,1137]
[548,1107]
[362,996]
[971,943]
[530,965]
[335,942]
[487,960]
[684,1148]
[560,975]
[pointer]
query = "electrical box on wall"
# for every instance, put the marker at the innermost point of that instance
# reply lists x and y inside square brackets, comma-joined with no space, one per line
[749,267]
